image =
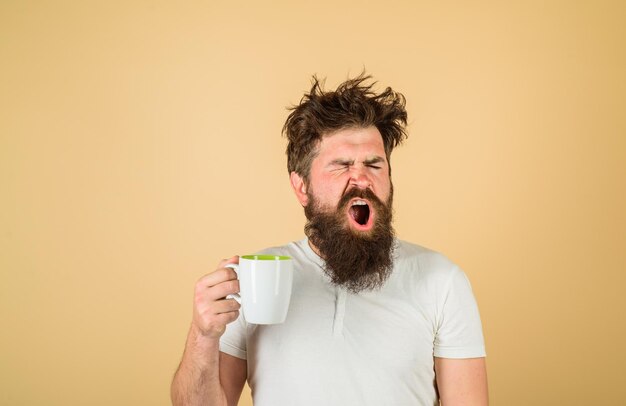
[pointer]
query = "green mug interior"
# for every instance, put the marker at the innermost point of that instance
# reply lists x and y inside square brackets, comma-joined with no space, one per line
[265,257]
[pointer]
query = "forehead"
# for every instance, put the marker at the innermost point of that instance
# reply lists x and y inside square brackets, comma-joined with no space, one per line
[352,141]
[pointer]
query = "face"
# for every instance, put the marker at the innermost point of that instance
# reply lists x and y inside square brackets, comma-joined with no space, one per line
[349,159]
[348,207]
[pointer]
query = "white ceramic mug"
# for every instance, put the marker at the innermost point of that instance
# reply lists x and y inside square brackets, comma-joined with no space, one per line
[264,287]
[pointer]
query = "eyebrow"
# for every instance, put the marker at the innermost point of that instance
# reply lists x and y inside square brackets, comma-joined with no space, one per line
[341,162]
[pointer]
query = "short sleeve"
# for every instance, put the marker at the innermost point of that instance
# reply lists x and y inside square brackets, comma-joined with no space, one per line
[459,330]
[233,341]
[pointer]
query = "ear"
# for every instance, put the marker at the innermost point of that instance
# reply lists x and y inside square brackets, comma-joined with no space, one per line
[299,188]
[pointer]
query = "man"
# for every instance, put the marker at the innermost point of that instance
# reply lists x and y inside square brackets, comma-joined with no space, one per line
[373,320]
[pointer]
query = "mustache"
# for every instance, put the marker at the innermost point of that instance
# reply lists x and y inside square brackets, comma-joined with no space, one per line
[359,193]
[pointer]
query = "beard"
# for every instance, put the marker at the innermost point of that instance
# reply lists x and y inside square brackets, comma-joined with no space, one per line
[356,260]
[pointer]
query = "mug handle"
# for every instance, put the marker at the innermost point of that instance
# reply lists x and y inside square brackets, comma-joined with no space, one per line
[235,296]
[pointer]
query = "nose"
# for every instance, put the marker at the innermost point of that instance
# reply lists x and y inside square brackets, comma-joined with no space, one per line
[360,179]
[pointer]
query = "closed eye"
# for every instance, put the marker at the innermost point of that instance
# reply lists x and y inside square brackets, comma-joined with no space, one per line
[374,162]
[340,164]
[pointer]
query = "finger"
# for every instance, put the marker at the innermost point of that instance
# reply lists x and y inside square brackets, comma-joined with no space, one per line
[225,318]
[231,260]
[226,306]
[216,277]
[221,290]
[209,310]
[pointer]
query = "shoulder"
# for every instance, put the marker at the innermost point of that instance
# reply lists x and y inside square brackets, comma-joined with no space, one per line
[425,268]
[421,259]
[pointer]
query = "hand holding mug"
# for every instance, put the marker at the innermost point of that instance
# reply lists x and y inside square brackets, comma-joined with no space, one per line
[212,310]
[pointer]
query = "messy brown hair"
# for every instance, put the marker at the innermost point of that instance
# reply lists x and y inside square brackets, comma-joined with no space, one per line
[352,105]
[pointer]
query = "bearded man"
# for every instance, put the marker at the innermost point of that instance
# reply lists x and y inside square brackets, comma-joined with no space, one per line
[373,320]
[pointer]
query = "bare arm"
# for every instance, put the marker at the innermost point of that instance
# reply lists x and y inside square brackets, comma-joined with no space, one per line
[462,382]
[206,376]
[233,373]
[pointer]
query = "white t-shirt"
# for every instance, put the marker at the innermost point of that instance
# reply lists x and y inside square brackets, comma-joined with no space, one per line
[371,348]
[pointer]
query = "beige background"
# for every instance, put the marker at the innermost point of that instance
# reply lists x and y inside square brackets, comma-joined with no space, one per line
[140,143]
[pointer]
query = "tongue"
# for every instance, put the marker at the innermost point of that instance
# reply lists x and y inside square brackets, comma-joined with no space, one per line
[360,214]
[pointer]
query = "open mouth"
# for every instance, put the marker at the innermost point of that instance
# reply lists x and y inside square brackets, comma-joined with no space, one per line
[360,212]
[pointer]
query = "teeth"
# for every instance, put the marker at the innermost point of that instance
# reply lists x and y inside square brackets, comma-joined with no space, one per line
[359,203]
